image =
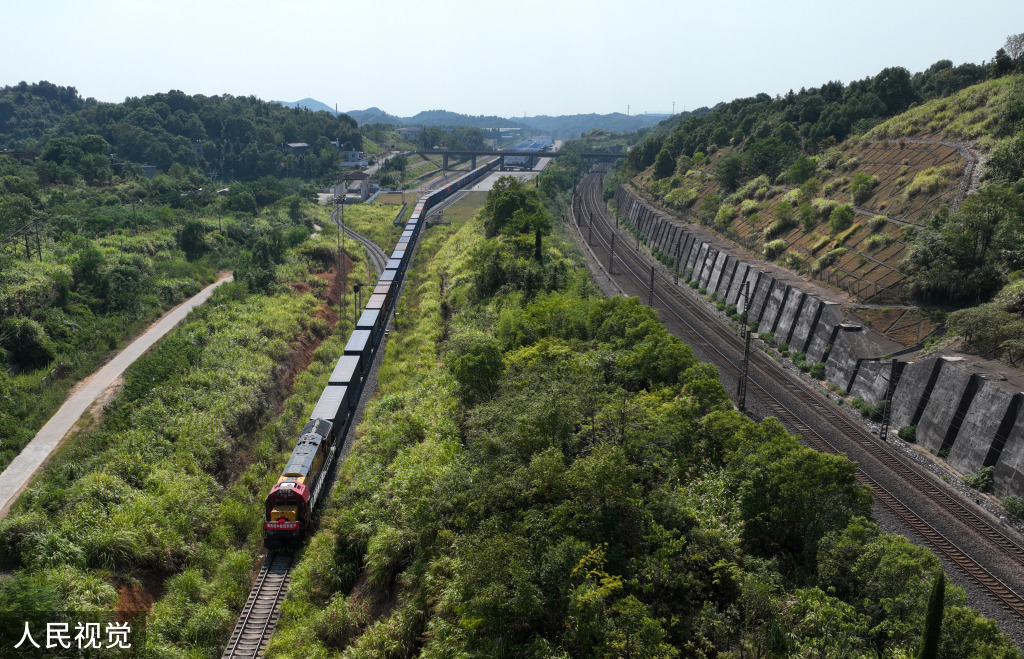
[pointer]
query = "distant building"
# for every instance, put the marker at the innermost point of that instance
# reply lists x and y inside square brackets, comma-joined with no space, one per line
[354,184]
[294,147]
[149,170]
[409,132]
[353,159]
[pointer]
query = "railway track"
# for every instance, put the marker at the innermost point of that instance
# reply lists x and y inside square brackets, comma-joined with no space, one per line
[262,610]
[705,329]
[377,256]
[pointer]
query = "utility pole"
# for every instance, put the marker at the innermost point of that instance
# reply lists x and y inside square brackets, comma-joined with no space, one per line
[650,293]
[611,256]
[590,229]
[741,387]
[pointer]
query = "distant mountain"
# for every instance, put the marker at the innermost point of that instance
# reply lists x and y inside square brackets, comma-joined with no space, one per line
[375,116]
[309,104]
[565,126]
[570,126]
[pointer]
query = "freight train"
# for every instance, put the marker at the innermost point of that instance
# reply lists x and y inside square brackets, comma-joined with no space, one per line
[290,505]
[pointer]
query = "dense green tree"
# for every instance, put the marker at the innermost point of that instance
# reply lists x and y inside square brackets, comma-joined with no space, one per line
[193,239]
[664,164]
[729,172]
[793,497]
[894,88]
[26,342]
[477,366]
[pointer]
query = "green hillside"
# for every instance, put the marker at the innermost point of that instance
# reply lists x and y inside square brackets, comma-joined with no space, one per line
[892,189]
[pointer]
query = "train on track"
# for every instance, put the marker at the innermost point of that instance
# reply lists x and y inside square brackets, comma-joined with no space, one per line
[290,504]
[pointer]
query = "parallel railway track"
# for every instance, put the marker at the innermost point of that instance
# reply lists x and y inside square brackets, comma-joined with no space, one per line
[705,329]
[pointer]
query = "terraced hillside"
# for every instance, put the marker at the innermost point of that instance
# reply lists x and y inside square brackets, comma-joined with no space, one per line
[847,216]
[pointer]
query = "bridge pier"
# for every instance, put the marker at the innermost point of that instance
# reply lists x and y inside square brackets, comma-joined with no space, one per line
[445,165]
[473,163]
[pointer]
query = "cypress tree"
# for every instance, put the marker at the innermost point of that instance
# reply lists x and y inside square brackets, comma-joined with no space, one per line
[538,255]
[933,620]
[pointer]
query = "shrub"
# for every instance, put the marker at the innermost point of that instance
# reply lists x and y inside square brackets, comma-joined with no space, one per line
[873,412]
[929,180]
[877,222]
[818,371]
[840,219]
[980,480]
[681,198]
[724,216]
[1014,505]
[908,434]
[749,207]
[26,342]
[879,241]
[861,187]
[773,248]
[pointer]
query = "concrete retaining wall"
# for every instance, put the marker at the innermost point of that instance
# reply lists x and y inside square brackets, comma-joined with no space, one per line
[957,411]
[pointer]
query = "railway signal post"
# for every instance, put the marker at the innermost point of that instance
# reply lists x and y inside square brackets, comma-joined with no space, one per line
[611,256]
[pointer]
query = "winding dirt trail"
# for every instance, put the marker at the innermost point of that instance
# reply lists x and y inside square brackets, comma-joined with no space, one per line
[19,473]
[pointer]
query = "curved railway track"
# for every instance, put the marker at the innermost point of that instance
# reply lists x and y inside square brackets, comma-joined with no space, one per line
[377,256]
[705,329]
[262,610]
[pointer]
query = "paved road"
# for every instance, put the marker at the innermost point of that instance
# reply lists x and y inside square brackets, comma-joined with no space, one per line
[16,477]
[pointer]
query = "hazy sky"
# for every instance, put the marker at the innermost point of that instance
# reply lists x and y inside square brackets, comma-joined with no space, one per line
[485,57]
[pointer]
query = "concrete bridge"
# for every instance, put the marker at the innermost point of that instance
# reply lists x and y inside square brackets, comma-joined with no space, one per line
[503,153]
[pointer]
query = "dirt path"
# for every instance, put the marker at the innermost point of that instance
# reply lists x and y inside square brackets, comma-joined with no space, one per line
[16,477]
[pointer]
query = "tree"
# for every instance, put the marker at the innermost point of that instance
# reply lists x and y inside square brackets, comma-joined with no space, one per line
[1014,46]
[192,239]
[992,216]
[477,368]
[933,620]
[894,87]
[802,169]
[729,171]
[793,496]
[664,164]
[1001,64]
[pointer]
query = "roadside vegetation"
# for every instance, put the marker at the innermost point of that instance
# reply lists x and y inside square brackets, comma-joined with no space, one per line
[83,269]
[546,472]
[160,503]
